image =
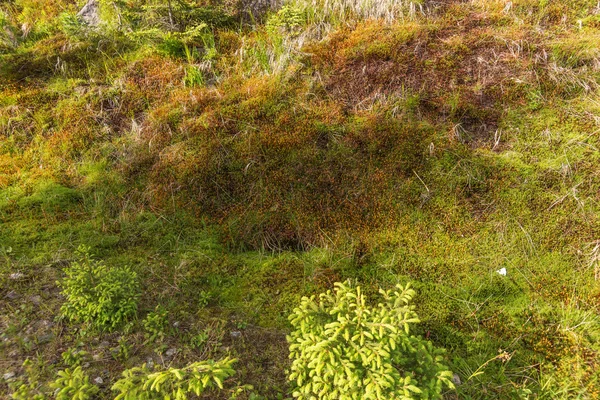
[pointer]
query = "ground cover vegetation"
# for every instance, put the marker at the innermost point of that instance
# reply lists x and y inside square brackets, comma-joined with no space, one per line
[184,185]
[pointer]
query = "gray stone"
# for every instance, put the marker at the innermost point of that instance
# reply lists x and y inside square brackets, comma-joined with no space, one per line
[12,295]
[456,380]
[171,352]
[236,334]
[258,8]
[45,324]
[8,375]
[90,13]
[42,339]
[17,276]
[98,380]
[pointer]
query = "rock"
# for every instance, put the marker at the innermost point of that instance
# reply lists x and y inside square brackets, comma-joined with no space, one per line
[150,362]
[171,352]
[12,295]
[98,380]
[236,334]
[502,271]
[97,357]
[45,324]
[90,13]
[8,375]
[42,339]
[16,276]
[456,380]
[36,300]
[176,324]
[258,8]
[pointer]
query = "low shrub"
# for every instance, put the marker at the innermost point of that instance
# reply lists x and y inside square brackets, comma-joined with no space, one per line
[74,384]
[140,383]
[343,348]
[156,324]
[97,294]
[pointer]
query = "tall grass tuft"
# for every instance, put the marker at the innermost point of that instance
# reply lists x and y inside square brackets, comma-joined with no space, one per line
[335,12]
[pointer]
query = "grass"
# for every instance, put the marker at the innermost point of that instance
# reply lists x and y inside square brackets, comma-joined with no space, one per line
[434,149]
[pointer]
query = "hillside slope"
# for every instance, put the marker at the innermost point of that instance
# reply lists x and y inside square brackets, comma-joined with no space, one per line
[237,162]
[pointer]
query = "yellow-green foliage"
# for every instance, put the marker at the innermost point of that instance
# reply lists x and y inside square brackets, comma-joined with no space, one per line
[436,145]
[74,384]
[97,294]
[344,348]
[140,383]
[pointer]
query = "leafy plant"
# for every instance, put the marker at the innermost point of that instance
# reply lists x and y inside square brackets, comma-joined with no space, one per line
[199,340]
[204,297]
[288,18]
[29,386]
[71,25]
[140,383]
[343,348]
[193,76]
[156,323]
[73,357]
[73,385]
[122,351]
[98,294]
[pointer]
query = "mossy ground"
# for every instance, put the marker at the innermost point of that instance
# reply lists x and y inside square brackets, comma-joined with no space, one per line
[435,150]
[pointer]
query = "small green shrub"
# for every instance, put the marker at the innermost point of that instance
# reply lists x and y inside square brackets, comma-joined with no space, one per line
[288,19]
[98,294]
[73,384]
[193,76]
[342,348]
[140,383]
[71,26]
[198,341]
[29,386]
[73,357]
[155,324]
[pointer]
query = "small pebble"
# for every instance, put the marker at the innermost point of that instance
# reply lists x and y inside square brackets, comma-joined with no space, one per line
[176,324]
[15,276]
[8,375]
[12,295]
[98,380]
[171,352]
[45,338]
[456,379]
[236,334]
[45,324]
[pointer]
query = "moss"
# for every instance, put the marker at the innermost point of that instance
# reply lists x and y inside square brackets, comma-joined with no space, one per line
[437,150]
